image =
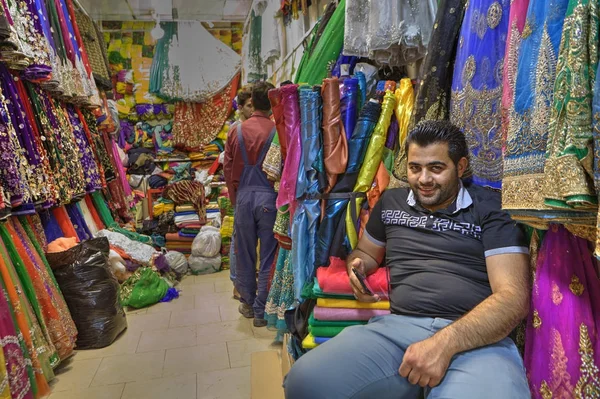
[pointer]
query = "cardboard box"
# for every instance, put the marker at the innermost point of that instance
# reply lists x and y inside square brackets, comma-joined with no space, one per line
[266,376]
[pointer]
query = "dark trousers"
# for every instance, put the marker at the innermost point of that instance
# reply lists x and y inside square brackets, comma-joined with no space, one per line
[255,215]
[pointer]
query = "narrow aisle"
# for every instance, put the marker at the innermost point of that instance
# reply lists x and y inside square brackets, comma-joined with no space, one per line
[197,346]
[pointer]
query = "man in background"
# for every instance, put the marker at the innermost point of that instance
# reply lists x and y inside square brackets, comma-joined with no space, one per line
[244,102]
[254,198]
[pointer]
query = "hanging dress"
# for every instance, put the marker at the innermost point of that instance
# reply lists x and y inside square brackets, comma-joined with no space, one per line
[475,104]
[562,350]
[525,149]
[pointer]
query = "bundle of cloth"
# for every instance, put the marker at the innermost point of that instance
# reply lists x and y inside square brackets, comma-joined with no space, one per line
[188,223]
[337,308]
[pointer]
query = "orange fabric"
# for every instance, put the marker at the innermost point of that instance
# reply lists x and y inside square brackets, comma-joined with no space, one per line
[380,184]
[62,244]
[21,320]
[121,253]
[55,312]
[94,212]
[62,217]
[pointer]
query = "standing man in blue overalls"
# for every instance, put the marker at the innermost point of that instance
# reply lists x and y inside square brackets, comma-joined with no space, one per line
[254,197]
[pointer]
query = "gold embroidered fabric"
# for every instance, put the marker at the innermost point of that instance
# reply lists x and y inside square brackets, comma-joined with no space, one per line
[568,177]
[576,287]
[588,385]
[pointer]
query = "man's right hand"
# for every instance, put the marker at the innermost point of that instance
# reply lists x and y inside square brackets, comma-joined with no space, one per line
[359,292]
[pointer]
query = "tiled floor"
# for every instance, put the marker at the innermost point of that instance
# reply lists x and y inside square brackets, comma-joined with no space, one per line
[196,347]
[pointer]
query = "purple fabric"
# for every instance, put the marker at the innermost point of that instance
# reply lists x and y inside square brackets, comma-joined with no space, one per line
[343,314]
[131,266]
[392,136]
[37,11]
[82,229]
[162,264]
[51,228]
[565,309]
[90,168]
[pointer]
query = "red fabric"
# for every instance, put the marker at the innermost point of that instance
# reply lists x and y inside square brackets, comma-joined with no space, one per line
[94,212]
[334,279]
[255,131]
[62,217]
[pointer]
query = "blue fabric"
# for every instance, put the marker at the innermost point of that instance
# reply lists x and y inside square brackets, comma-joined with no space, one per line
[362,86]
[83,231]
[372,354]
[349,93]
[321,340]
[477,87]
[524,156]
[52,229]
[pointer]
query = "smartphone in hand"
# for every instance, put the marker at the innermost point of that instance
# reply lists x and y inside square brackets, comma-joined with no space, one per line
[363,281]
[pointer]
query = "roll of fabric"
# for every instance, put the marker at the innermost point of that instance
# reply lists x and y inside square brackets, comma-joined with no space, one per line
[341,314]
[335,144]
[312,321]
[309,342]
[289,176]
[321,340]
[405,101]
[334,279]
[351,304]
[335,208]
[325,331]
[371,165]
[65,223]
[362,89]
[278,114]
[317,292]
[349,94]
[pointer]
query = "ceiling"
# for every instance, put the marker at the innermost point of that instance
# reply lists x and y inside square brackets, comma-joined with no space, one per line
[201,10]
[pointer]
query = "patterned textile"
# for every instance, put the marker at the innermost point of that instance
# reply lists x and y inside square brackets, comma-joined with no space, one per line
[476,97]
[186,192]
[433,95]
[197,124]
[562,350]
[568,169]
[525,149]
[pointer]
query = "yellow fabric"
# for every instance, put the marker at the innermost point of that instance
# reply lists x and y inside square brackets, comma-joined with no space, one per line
[5,392]
[405,101]
[227,227]
[351,304]
[158,209]
[185,208]
[371,163]
[309,342]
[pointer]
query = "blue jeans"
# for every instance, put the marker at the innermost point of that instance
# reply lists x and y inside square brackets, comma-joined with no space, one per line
[363,362]
[232,259]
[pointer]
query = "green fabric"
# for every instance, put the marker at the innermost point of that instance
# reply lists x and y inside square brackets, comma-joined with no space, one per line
[313,67]
[161,56]
[133,236]
[388,160]
[326,332]
[331,323]
[38,248]
[256,69]
[103,210]
[318,293]
[143,289]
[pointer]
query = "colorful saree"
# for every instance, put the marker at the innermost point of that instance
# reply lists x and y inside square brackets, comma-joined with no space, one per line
[562,350]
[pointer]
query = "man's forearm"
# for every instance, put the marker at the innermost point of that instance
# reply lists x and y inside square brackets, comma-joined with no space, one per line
[489,322]
[370,263]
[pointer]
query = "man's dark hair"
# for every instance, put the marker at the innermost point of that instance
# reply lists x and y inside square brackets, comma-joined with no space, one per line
[287,82]
[260,96]
[433,132]
[244,95]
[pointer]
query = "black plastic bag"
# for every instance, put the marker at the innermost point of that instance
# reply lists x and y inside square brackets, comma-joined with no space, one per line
[91,292]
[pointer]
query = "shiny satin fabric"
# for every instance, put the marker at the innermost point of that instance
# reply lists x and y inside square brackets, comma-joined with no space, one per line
[311,141]
[304,237]
[371,165]
[277,108]
[335,208]
[405,102]
[335,145]
[348,104]
[362,88]
[289,176]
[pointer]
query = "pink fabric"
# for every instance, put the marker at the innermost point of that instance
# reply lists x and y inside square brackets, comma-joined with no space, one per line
[289,176]
[518,15]
[562,330]
[121,170]
[334,279]
[343,314]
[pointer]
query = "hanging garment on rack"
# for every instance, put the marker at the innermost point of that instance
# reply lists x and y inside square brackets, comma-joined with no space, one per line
[562,352]
[335,143]
[525,149]
[475,103]
[568,175]
[433,95]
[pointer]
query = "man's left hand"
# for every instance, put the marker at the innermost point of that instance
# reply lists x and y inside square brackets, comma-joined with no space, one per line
[425,363]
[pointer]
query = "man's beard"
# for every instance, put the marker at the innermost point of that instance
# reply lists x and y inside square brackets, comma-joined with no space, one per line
[439,194]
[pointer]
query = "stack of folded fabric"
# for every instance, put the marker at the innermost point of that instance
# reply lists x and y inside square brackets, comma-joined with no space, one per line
[213,214]
[188,223]
[337,308]
[162,206]
[186,217]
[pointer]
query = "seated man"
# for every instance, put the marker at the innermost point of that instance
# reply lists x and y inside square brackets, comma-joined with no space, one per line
[458,287]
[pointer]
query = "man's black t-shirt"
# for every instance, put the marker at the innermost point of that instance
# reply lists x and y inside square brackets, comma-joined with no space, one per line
[437,260]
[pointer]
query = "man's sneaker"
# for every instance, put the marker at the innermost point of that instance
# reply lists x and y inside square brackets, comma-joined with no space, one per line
[260,323]
[246,310]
